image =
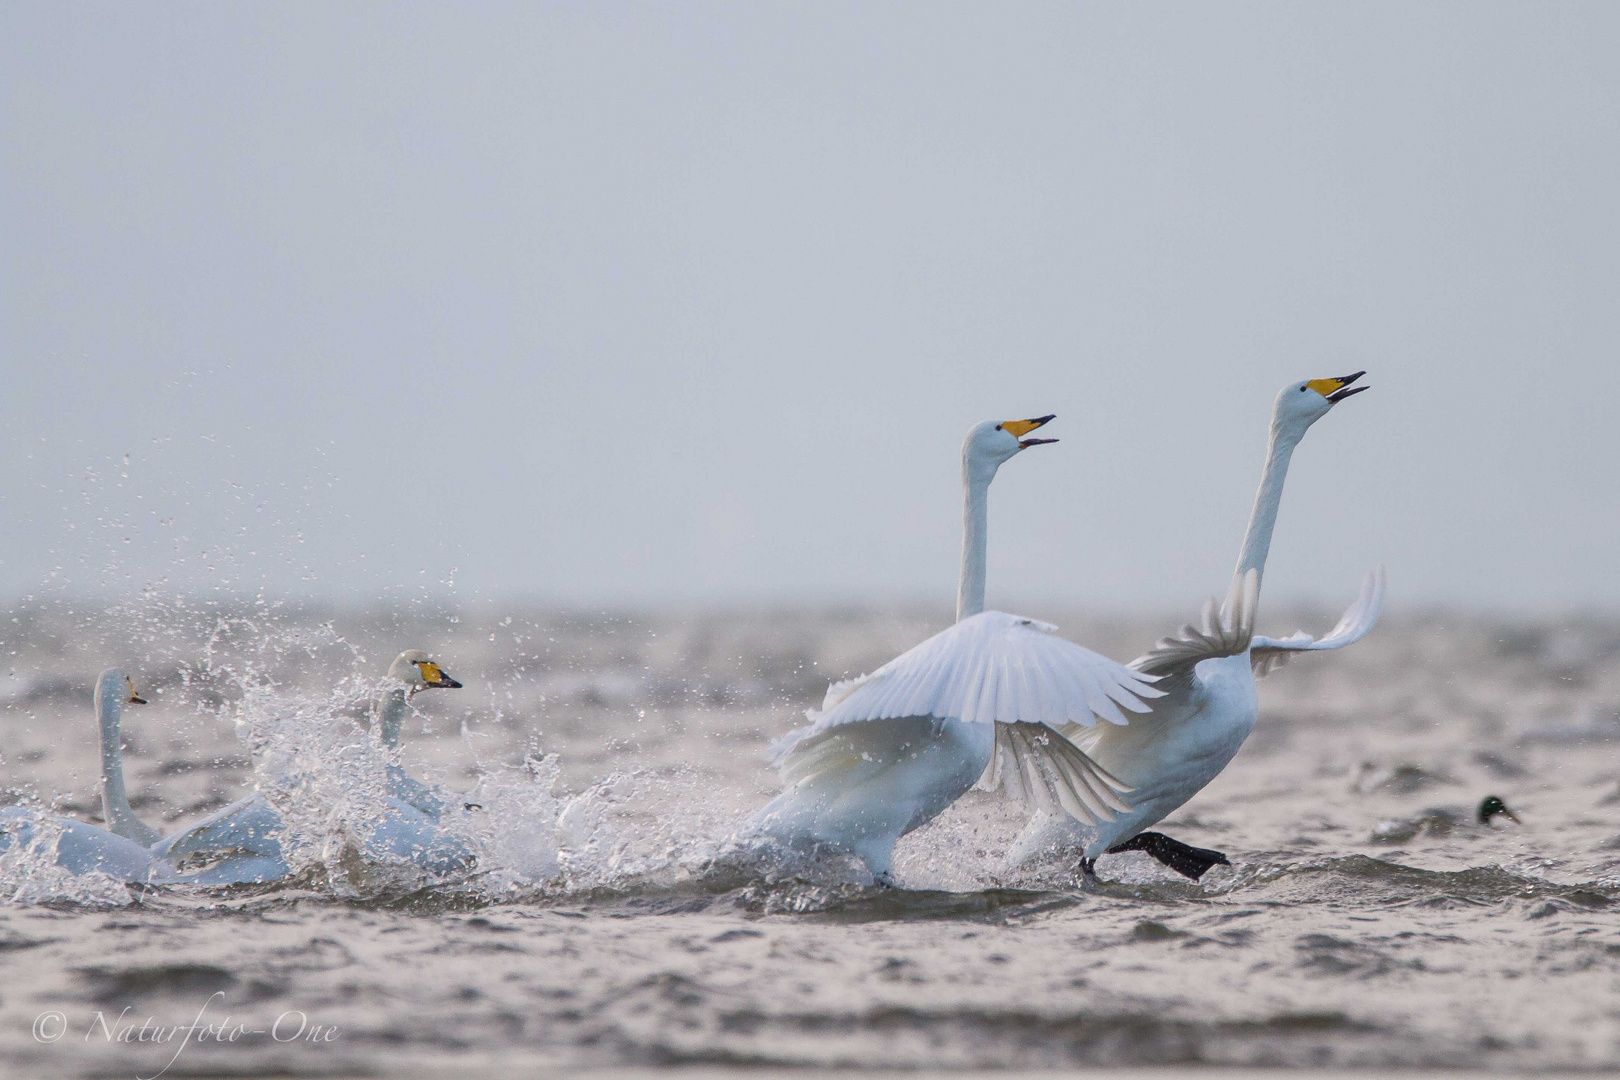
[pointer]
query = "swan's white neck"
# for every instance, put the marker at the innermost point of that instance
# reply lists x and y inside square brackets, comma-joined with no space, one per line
[115,808]
[1257,541]
[393,716]
[975,524]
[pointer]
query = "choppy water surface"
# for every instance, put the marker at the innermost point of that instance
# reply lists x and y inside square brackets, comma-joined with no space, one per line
[610,756]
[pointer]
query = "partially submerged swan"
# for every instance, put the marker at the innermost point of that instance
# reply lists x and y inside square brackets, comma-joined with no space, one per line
[121,849]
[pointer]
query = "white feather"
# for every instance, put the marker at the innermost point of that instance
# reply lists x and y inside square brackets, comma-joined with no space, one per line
[992,668]
[1268,654]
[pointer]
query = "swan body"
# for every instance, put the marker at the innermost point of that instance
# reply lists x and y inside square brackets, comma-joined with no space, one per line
[889,751]
[79,848]
[119,850]
[236,844]
[1207,674]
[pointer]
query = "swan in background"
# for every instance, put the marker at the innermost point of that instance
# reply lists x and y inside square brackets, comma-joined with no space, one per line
[120,849]
[1208,675]
[239,843]
[887,752]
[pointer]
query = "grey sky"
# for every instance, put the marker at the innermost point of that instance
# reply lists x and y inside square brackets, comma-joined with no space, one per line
[620,302]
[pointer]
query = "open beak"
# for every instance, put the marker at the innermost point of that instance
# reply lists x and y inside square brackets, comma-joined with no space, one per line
[1342,388]
[1019,428]
[435,677]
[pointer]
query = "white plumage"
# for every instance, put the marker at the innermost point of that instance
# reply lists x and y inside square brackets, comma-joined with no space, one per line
[1207,673]
[1269,654]
[990,668]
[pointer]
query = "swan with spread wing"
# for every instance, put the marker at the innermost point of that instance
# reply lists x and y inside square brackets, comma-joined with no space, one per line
[1207,673]
[889,751]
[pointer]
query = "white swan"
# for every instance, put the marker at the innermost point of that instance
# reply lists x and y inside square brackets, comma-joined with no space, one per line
[239,843]
[415,672]
[119,850]
[1208,673]
[888,751]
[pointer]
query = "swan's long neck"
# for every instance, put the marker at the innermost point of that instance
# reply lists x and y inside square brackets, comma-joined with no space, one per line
[975,524]
[1257,541]
[114,799]
[393,716]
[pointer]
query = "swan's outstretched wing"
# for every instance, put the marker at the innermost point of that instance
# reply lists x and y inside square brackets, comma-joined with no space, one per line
[1271,653]
[995,668]
[990,668]
[1225,631]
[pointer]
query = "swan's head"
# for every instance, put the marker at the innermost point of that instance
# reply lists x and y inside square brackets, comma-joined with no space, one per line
[989,444]
[114,685]
[1303,403]
[1491,806]
[416,670]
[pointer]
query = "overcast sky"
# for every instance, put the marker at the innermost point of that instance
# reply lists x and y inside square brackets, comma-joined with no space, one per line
[676,302]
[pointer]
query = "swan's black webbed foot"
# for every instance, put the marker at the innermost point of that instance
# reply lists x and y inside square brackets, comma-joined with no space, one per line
[885,880]
[1184,859]
[1088,867]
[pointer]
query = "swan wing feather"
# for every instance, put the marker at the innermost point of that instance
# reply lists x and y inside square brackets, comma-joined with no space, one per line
[1040,768]
[989,668]
[1359,618]
[1223,631]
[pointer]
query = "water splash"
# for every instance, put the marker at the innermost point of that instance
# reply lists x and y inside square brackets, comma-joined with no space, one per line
[29,875]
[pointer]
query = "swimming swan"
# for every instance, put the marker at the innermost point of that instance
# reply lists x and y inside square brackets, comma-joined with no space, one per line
[1208,674]
[239,843]
[119,850]
[887,752]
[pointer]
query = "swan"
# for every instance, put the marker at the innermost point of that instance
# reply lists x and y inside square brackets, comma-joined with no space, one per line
[120,849]
[1208,675]
[887,752]
[239,843]
[414,671]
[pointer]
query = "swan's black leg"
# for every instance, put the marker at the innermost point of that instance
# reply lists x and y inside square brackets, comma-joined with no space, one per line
[1184,859]
[1088,867]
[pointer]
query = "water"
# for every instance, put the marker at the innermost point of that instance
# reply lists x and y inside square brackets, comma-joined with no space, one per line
[610,755]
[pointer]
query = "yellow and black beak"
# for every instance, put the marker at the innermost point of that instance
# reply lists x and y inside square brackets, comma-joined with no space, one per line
[1336,390]
[435,677]
[134,698]
[1019,428]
